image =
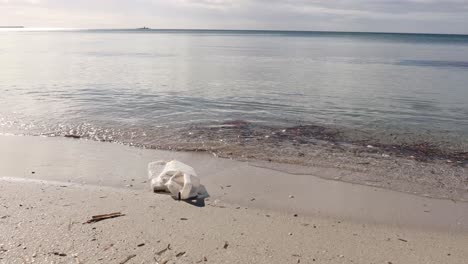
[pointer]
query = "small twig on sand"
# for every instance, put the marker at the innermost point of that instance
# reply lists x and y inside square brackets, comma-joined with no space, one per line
[97,218]
[164,250]
[127,259]
[180,254]
[72,136]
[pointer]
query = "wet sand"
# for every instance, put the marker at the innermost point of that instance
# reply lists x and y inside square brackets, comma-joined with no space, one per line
[421,165]
[253,184]
[50,186]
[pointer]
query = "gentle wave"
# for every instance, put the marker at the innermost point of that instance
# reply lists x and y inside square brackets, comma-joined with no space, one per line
[433,63]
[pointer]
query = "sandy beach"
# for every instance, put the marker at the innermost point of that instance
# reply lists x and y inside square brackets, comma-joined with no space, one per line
[51,186]
[223,131]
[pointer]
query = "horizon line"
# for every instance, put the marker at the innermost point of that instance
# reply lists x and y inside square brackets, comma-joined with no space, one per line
[230,29]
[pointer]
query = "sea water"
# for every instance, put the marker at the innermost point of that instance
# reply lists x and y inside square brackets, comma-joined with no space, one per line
[170,87]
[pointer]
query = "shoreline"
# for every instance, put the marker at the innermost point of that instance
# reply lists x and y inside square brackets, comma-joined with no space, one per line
[418,168]
[228,181]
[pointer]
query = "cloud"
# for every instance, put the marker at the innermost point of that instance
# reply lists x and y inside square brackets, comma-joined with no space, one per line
[211,3]
[17,3]
[20,1]
[381,6]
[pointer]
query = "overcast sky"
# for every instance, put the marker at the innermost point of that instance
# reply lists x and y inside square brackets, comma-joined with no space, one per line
[441,16]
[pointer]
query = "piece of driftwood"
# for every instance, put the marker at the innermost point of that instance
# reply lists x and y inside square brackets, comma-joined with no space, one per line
[97,218]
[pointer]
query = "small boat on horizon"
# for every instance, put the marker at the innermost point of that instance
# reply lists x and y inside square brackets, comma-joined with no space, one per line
[144,28]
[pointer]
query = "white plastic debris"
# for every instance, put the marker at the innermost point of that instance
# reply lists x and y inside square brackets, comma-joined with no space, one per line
[175,177]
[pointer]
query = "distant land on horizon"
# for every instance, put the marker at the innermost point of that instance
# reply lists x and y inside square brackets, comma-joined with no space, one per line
[279,30]
[239,30]
[11,26]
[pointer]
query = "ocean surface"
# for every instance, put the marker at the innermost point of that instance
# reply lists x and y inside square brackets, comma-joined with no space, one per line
[200,89]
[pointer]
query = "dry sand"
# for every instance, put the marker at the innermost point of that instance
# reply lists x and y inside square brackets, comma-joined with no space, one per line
[249,217]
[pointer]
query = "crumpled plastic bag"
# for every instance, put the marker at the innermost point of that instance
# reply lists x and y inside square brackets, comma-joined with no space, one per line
[174,177]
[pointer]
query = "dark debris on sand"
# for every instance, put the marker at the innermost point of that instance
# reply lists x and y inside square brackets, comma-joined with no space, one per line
[218,138]
[242,132]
